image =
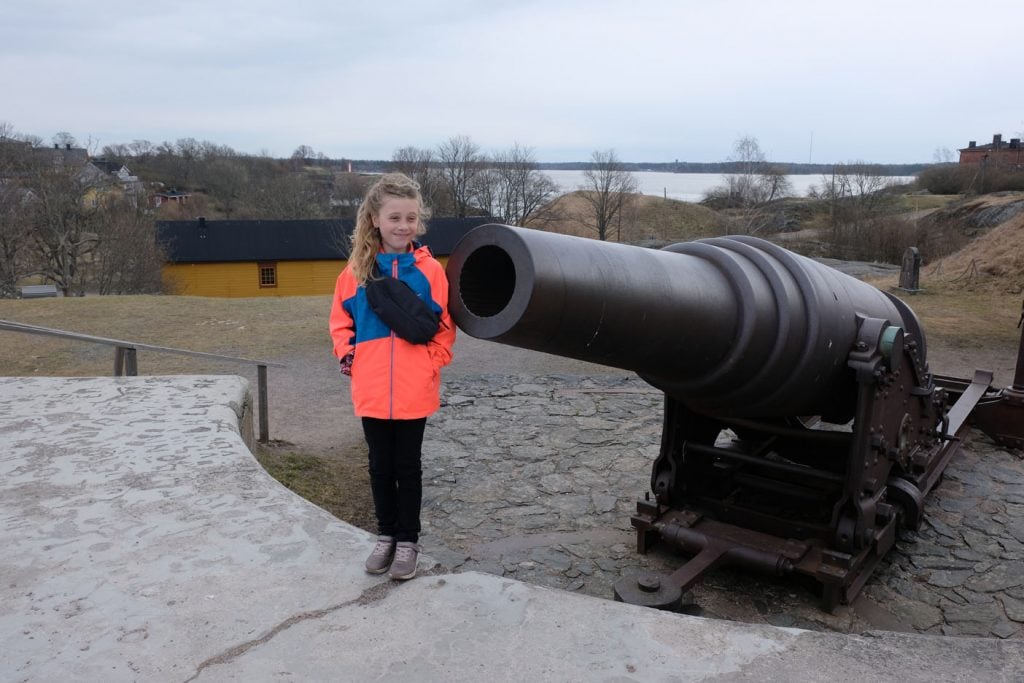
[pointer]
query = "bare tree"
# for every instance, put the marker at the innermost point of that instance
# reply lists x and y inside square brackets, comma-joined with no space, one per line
[289,196]
[304,152]
[860,209]
[141,149]
[858,180]
[460,160]
[747,155]
[17,257]
[126,258]
[419,165]
[750,186]
[117,151]
[303,155]
[485,189]
[347,192]
[944,155]
[15,238]
[753,180]
[62,221]
[608,189]
[227,182]
[64,139]
[15,153]
[523,190]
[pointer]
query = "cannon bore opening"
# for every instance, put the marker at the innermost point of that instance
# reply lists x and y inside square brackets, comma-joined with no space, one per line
[487,281]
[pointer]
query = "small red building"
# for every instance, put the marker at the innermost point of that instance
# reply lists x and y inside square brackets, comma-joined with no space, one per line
[1006,154]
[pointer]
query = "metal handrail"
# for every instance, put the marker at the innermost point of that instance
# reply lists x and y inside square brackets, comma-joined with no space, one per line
[125,361]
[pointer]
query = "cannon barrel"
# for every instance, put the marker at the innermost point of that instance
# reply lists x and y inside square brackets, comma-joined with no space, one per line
[733,326]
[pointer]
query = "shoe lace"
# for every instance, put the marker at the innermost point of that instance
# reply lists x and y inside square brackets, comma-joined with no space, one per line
[382,548]
[404,553]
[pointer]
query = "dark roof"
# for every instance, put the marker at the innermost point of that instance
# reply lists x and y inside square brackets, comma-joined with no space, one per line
[1000,144]
[71,156]
[107,166]
[204,241]
[986,148]
[444,233]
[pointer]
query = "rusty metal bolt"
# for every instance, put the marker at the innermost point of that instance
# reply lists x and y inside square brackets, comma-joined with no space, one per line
[649,583]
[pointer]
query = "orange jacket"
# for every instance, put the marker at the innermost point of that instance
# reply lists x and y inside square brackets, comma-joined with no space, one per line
[391,378]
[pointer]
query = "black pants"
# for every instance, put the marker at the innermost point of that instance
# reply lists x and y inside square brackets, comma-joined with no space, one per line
[396,475]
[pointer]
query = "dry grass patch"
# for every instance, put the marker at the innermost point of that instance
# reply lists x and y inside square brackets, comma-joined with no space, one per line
[649,219]
[340,485]
[270,328]
[926,202]
[961,318]
[992,262]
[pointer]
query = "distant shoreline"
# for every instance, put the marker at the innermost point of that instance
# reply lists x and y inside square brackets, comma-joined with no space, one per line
[787,168]
[732,167]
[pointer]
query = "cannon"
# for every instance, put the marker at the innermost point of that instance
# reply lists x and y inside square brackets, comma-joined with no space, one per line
[802,426]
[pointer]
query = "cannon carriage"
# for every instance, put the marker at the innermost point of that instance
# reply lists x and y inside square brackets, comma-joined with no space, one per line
[802,425]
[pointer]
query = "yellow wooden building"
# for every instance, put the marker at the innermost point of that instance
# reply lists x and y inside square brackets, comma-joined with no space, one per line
[253,258]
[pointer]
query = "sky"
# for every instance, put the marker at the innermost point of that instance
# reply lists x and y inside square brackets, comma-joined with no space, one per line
[884,81]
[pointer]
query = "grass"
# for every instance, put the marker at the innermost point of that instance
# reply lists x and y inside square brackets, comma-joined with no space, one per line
[924,202]
[339,485]
[650,218]
[258,328]
[962,318]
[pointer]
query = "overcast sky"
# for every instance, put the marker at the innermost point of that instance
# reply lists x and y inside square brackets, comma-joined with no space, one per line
[879,80]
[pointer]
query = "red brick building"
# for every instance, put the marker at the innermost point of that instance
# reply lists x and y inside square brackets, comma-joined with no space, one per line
[1007,154]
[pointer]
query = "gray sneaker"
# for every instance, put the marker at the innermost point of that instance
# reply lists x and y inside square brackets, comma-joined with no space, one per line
[404,565]
[380,557]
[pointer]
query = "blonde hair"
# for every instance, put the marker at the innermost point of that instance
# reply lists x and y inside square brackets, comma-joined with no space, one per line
[366,238]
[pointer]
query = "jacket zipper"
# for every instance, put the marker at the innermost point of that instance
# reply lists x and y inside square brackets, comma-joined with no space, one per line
[391,389]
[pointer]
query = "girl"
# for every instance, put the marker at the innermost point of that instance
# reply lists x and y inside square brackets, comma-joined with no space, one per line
[395,384]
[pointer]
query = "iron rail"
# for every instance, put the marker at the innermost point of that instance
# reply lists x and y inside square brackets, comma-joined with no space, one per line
[126,361]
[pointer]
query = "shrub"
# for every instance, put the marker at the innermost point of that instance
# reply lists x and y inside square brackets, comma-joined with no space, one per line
[963,179]
[947,178]
[885,238]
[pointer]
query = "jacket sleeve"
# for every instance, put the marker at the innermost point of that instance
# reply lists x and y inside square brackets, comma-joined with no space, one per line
[342,326]
[440,347]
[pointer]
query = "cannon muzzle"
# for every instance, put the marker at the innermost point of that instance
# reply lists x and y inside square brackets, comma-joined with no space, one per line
[731,326]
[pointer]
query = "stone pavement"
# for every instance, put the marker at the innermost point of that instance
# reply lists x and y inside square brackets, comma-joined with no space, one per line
[535,478]
[142,542]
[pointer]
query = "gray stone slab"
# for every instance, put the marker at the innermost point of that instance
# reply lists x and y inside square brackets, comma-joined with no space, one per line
[1000,577]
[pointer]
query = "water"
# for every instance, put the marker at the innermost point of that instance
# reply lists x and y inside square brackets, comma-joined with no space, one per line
[687,187]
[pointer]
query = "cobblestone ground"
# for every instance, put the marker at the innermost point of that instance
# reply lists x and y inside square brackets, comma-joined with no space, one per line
[535,477]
